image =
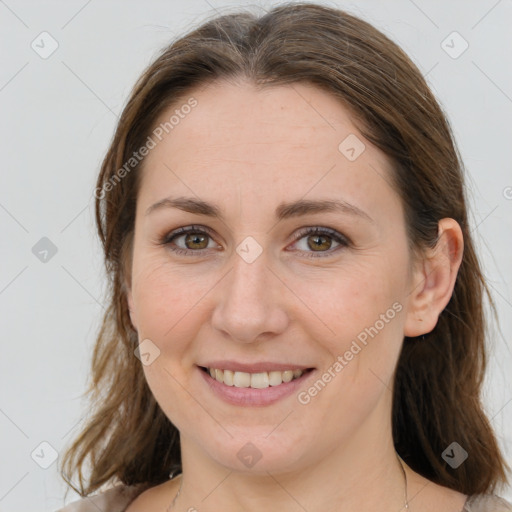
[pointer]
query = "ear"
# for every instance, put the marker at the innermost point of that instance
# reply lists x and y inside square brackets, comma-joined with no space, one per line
[434,279]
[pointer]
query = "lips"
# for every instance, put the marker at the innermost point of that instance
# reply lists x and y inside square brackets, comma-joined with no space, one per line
[256,388]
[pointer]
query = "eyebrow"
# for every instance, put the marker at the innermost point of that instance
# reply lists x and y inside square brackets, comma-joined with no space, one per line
[283,211]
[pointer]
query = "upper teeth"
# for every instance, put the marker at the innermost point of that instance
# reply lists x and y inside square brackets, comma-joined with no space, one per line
[253,380]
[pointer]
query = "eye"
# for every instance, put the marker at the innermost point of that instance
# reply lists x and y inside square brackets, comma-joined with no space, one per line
[195,239]
[318,238]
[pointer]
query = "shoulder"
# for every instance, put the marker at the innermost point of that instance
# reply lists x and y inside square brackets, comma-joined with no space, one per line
[115,499]
[486,503]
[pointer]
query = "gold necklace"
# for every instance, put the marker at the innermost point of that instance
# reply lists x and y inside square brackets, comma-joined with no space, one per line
[406,502]
[171,506]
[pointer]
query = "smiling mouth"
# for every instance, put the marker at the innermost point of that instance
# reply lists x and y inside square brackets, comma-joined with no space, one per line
[260,380]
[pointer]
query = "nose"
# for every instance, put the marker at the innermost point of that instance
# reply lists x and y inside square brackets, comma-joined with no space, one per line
[249,306]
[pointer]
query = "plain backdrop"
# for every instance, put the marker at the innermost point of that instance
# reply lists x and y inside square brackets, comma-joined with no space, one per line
[58,114]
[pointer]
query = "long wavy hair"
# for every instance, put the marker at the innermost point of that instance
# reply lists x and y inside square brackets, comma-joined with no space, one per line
[437,389]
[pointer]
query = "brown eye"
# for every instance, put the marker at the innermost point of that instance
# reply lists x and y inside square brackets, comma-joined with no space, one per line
[196,241]
[192,240]
[319,240]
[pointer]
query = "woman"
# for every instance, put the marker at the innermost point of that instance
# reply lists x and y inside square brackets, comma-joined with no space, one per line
[296,317]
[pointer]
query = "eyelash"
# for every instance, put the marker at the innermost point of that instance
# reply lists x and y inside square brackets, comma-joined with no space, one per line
[331,233]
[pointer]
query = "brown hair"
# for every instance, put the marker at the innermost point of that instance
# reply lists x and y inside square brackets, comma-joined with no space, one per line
[439,376]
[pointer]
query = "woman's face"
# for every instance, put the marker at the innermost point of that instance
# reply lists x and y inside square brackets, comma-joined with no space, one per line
[254,288]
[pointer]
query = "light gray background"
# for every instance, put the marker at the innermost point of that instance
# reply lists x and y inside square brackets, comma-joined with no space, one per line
[57,118]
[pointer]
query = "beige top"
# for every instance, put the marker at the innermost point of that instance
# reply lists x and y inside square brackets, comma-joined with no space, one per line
[119,497]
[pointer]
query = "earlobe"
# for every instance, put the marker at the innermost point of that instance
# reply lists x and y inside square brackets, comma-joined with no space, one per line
[434,279]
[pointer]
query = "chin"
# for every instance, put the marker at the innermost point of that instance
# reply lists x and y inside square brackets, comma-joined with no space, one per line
[256,452]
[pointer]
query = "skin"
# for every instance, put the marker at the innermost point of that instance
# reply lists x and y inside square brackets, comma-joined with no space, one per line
[247,151]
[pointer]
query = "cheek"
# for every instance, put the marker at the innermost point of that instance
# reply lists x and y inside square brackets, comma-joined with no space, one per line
[342,302]
[358,373]
[359,324]
[169,315]
[166,299]
[166,382]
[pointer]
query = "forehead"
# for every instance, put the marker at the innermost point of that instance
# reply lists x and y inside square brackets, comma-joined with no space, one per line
[281,139]
[240,113]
